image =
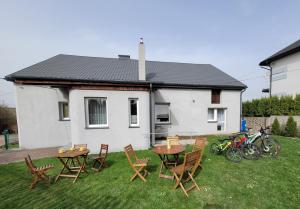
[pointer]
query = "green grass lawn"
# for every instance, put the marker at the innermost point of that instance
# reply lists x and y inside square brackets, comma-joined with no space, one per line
[266,183]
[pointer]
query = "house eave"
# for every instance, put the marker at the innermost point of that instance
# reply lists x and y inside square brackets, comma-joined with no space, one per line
[79,82]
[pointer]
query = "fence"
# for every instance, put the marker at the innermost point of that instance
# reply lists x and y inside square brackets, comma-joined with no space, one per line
[9,141]
[256,122]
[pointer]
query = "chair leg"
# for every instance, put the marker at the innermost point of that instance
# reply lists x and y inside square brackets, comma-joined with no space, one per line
[137,173]
[193,180]
[97,166]
[34,182]
[182,187]
[177,181]
[46,178]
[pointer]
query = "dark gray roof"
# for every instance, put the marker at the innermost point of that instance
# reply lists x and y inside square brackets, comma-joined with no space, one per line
[99,69]
[293,48]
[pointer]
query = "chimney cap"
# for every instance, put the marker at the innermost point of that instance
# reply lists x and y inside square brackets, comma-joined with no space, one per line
[124,56]
[141,40]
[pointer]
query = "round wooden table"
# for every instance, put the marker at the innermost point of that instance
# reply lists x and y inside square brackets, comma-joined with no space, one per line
[164,153]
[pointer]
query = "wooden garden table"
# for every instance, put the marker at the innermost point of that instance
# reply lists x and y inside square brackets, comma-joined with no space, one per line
[68,157]
[167,163]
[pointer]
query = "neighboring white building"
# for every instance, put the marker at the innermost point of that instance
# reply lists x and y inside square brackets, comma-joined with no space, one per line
[284,69]
[119,101]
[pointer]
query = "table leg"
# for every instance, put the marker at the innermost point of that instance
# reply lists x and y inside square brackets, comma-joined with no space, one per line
[65,165]
[164,165]
[81,167]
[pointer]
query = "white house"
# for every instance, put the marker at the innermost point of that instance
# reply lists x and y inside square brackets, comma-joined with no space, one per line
[284,67]
[71,99]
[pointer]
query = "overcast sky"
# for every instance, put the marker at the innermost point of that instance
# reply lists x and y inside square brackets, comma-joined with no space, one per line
[232,35]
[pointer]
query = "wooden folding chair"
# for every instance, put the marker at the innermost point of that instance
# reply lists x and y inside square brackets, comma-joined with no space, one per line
[189,166]
[78,146]
[200,143]
[38,173]
[173,140]
[138,165]
[99,161]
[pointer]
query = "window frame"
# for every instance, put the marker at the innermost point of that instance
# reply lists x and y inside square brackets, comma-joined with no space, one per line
[61,111]
[215,119]
[91,126]
[137,125]
[169,113]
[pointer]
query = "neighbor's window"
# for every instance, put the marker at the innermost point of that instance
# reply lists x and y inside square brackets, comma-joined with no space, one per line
[215,96]
[64,111]
[133,112]
[217,115]
[96,112]
[162,113]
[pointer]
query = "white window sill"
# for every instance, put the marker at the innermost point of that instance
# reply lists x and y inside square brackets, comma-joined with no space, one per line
[134,126]
[97,127]
[166,123]
[64,119]
[212,121]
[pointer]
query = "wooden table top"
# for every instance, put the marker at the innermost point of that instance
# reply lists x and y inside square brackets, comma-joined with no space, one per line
[72,153]
[163,149]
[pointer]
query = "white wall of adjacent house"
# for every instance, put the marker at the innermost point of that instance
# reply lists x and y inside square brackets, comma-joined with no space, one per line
[286,74]
[114,119]
[39,123]
[189,112]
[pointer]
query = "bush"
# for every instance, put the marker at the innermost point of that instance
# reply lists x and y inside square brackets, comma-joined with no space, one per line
[291,127]
[276,127]
[284,105]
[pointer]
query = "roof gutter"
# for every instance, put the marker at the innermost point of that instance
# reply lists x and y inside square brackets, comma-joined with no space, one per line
[241,107]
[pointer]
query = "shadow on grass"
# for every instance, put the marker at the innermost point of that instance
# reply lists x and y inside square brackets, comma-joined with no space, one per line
[152,168]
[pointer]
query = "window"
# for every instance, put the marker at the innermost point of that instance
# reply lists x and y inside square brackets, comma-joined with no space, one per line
[162,113]
[215,96]
[279,73]
[217,115]
[63,111]
[96,112]
[133,112]
[212,114]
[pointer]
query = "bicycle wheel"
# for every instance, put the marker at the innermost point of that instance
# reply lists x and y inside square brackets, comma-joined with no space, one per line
[251,151]
[214,148]
[270,147]
[234,154]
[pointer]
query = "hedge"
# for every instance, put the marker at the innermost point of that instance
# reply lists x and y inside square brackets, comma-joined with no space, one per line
[264,107]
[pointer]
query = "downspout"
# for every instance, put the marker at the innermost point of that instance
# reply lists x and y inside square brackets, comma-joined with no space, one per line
[241,107]
[271,75]
[152,142]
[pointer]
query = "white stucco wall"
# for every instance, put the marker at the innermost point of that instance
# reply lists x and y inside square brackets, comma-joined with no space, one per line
[118,134]
[290,85]
[38,117]
[189,111]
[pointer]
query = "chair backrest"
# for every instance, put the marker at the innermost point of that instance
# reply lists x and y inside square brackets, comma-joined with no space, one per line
[191,160]
[103,150]
[77,146]
[29,164]
[173,140]
[200,143]
[130,154]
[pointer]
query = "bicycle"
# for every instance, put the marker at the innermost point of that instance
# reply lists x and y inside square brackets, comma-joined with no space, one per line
[229,148]
[266,144]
